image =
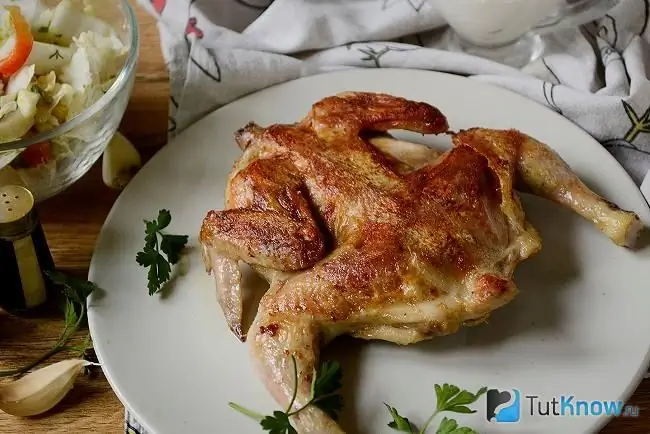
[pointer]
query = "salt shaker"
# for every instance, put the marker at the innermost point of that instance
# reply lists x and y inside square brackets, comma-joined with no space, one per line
[24,253]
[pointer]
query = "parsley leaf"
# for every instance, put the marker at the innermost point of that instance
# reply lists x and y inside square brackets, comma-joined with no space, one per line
[150,256]
[278,423]
[158,274]
[451,398]
[450,426]
[151,234]
[326,381]
[324,394]
[164,219]
[172,245]
[74,289]
[448,398]
[400,423]
[147,257]
[69,313]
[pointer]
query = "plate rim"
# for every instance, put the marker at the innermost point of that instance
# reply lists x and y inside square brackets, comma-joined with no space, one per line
[599,421]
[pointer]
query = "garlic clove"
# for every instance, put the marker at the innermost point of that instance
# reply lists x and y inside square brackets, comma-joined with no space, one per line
[120,162]
[40,390]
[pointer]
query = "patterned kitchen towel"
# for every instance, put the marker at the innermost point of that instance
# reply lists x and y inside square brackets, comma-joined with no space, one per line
[218,50]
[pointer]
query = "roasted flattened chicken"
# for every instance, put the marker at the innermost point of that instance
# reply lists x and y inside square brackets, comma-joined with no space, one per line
[361,234]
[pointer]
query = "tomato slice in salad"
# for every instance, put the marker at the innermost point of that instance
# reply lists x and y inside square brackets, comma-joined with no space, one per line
[23,41]
[36,154]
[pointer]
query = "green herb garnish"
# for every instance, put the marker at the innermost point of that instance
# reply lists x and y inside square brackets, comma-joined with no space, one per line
[155,241]
[448,398]
[325,384]
[76,291]
[450,426]
[399,423]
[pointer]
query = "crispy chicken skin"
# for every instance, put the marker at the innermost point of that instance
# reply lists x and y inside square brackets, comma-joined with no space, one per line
[361,234]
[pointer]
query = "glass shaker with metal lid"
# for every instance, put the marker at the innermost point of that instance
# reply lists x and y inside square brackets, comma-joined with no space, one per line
[24,253]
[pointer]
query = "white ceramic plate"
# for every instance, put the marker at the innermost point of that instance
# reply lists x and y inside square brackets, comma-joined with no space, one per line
[580,326]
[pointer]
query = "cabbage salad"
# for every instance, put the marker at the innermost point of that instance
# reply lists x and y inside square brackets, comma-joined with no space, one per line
[52,66]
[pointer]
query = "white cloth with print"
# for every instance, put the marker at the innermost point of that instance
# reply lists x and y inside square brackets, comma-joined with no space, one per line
[218,50]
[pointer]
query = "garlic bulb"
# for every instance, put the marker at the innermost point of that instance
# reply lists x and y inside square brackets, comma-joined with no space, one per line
[40,390]
[120,162]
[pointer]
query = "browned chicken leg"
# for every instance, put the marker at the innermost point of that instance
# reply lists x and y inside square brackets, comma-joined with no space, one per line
[377,239]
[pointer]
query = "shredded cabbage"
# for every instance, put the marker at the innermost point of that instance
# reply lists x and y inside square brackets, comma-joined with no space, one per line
[96,60]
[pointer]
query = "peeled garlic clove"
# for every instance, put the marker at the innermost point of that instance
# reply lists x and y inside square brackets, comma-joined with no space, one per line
[40,390]
[120,162]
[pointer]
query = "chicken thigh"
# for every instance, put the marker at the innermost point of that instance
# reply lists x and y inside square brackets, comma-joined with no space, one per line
[361,234]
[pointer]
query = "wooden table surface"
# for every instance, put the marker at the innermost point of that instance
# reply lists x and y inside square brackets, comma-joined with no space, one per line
[72,221]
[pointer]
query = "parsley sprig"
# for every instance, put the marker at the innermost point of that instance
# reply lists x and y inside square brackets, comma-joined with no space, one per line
[76,291]
[449,398]
[326,382]
[156,241]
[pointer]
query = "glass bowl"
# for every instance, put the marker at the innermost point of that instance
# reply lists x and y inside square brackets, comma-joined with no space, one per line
[89,132]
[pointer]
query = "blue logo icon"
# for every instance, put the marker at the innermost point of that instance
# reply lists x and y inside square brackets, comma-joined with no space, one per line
[503,406]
